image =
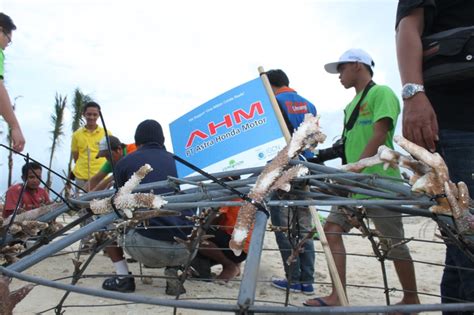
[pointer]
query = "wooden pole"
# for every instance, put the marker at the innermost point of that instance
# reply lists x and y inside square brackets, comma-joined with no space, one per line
[330,259]
[276,107]
[314,212]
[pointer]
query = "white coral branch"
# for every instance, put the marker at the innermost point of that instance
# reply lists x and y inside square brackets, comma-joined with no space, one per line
[307,136]
[127,201]
[31,215]
[432,182]
[283,182]
[430,173]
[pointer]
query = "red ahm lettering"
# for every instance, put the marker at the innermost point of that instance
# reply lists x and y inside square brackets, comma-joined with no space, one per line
[194,134]
[238,115]
[241,113]
[213,127]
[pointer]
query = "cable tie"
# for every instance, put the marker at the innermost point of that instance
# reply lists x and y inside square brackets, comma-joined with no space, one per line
[437,196]
[112,204]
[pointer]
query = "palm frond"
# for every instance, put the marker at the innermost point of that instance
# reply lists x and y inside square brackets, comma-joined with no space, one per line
[57,121]
[77,105]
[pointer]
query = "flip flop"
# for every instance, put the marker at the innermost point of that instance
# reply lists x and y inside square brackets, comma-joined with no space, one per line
[319,300]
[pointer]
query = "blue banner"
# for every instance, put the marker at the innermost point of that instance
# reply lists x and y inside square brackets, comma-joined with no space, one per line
[237,129]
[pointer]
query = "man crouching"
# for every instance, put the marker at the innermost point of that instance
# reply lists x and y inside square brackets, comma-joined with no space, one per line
[154,246]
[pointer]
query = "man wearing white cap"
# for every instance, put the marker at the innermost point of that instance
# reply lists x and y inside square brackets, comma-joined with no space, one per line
[100,180]
[369,122]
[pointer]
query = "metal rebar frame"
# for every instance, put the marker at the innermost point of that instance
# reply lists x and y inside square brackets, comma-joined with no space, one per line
[202,193]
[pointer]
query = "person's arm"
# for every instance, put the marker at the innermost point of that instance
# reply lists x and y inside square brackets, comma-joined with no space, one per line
[104,184]
[419,119]
[11,199]
[6,110]
[47,200]
[74,147]
[95,180]
[381,128]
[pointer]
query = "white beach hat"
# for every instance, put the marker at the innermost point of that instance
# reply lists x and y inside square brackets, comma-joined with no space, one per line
[104,149]
[352,55]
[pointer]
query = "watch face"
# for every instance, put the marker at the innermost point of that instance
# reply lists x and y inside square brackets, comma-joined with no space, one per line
[408,91]
[411,89]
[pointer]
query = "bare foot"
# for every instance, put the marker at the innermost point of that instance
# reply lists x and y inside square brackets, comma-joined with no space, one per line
[402,302]
[322,301]
[229,272]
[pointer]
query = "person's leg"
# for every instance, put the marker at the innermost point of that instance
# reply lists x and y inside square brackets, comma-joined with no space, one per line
[307,257]
[213,250]
[336,224]
[406,275]
[333,234]
[450,282]
[390,225]
[80,183]
[159,254]
[457,285]
[457,149]
[280,217]
[122,282]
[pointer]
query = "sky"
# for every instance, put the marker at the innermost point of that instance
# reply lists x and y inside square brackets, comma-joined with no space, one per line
[160,59]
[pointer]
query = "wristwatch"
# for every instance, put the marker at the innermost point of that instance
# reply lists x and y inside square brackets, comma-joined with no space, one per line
[410,89]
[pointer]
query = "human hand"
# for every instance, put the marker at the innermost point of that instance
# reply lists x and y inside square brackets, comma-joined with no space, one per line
[419,121]
[18,140]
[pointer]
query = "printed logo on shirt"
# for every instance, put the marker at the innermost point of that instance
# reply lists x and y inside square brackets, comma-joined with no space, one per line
[296,107]
[365,122]
[363,110]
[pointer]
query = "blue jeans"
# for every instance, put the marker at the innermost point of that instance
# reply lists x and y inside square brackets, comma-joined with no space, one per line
[302,270]
[457,149]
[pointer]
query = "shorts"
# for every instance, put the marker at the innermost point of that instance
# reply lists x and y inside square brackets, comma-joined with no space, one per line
[154,253]
[388,223]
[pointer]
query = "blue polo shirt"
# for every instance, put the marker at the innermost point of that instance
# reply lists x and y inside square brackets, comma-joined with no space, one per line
[295,107]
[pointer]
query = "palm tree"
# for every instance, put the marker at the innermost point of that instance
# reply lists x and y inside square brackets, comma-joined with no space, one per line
[77,105]
[57,121]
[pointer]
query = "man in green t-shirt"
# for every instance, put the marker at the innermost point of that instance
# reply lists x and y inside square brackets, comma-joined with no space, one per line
[374,126]
[101,180]
[6,110]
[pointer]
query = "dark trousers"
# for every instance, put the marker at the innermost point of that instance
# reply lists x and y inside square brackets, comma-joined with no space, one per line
[457,149]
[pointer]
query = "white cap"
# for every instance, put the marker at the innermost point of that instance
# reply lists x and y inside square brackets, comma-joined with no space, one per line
[103,144]
[103,147]
[352,55]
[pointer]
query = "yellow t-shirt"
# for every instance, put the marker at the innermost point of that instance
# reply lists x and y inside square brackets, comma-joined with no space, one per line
[86,143]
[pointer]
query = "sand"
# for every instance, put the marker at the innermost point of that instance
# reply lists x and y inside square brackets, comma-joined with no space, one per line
[362,271]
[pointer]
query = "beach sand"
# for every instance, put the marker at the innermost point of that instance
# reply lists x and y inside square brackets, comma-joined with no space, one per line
[362,271]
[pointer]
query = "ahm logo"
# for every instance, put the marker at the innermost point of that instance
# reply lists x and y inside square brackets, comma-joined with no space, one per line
[232,164]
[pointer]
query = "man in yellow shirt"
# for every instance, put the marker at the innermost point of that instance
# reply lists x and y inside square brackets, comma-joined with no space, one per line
[85,145]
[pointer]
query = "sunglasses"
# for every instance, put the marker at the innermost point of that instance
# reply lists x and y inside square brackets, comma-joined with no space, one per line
[7,36]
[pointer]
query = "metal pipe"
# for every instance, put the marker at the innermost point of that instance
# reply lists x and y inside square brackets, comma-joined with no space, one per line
[248,285]
[411,308]
[136,298]
[56,246]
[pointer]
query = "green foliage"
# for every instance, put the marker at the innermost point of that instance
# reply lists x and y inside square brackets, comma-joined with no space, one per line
[57,118]
[77,105]
[57,121]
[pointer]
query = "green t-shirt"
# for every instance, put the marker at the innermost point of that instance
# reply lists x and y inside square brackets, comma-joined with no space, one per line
[2,60]
[107,166]
[380,102]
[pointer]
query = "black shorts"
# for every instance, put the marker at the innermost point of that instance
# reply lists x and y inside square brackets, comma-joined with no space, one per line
[221,239]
